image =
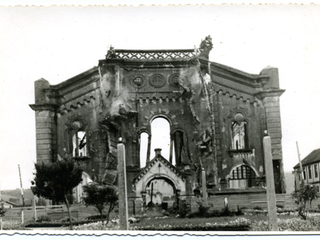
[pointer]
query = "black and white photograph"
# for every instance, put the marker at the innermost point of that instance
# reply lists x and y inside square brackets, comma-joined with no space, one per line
[165,118]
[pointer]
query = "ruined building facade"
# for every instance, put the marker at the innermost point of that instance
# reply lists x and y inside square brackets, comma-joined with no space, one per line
[217,117]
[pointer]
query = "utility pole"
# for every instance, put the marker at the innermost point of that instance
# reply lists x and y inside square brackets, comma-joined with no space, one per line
[301,169]
[21,186]
[22,212]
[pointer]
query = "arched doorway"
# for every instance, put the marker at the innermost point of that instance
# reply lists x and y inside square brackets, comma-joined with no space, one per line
[161,193]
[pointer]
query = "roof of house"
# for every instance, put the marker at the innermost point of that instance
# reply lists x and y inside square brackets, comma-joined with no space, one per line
[313,157]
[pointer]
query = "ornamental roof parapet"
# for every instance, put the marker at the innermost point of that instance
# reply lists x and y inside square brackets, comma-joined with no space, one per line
[128,54]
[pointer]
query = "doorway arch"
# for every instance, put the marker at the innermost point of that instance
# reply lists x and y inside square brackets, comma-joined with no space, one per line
[160,191]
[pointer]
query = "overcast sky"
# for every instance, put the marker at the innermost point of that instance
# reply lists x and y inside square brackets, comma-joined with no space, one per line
[57,43]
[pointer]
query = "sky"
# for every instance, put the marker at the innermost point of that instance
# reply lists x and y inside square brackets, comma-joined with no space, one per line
[57,43]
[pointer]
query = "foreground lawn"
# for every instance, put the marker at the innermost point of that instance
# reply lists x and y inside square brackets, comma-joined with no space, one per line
[248,222]
[242,223]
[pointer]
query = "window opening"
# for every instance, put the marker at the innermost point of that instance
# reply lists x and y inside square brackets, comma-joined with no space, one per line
[316,175]
[310,172]
[178,143]
[239,135]
[79,142]
[160,131]
[143,149]
[242,177]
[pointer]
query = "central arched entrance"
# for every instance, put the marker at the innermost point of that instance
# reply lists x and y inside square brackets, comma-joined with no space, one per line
[161,193]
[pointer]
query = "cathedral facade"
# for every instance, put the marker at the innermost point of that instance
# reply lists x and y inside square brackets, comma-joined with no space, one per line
[214,117]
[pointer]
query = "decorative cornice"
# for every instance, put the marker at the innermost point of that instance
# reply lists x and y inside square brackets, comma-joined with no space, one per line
[236,96]
[65,108]
[270,93]
[43,106]
[150,54]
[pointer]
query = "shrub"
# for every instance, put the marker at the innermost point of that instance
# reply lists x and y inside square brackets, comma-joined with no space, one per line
[239,212]
[303,197]
[226,212]
[257,208]
[184,208]
[2,210]
[101,196]
[96,217]
[203,210]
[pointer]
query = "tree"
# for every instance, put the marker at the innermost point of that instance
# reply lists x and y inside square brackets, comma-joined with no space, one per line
[56,180]
[303,197]
[100,196]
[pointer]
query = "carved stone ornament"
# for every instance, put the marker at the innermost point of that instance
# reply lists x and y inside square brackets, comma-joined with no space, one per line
[238,114]
[76,123]
[174,80]
[137,81]
[157,80]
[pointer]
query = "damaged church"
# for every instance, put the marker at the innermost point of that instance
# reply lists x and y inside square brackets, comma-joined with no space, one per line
[179,116]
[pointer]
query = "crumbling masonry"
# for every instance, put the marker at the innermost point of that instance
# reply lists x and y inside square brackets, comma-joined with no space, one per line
[217,117]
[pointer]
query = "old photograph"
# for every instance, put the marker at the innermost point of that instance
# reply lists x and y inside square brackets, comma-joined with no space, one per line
[173,119]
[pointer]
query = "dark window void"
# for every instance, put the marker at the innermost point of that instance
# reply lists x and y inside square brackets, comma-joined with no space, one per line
[239,135]
[316,174]
[178,143]
[277,176]
[310,172]
[79,144]
[242,177]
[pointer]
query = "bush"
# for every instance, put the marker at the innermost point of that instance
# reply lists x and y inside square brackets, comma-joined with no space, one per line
[97,217]
[257,208]
[2,210]
[101,196]
[304,197]
[184,208]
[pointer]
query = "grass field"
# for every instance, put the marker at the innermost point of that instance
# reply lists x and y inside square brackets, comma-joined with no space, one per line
[14,214]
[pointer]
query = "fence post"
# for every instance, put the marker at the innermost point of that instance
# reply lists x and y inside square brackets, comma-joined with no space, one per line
[271,195]
[122,186]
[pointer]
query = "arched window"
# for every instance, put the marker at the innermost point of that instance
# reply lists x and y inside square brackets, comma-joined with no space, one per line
[160,131]
[241,177]
[77,138]
[79,144]
[239,135]
[144,140]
